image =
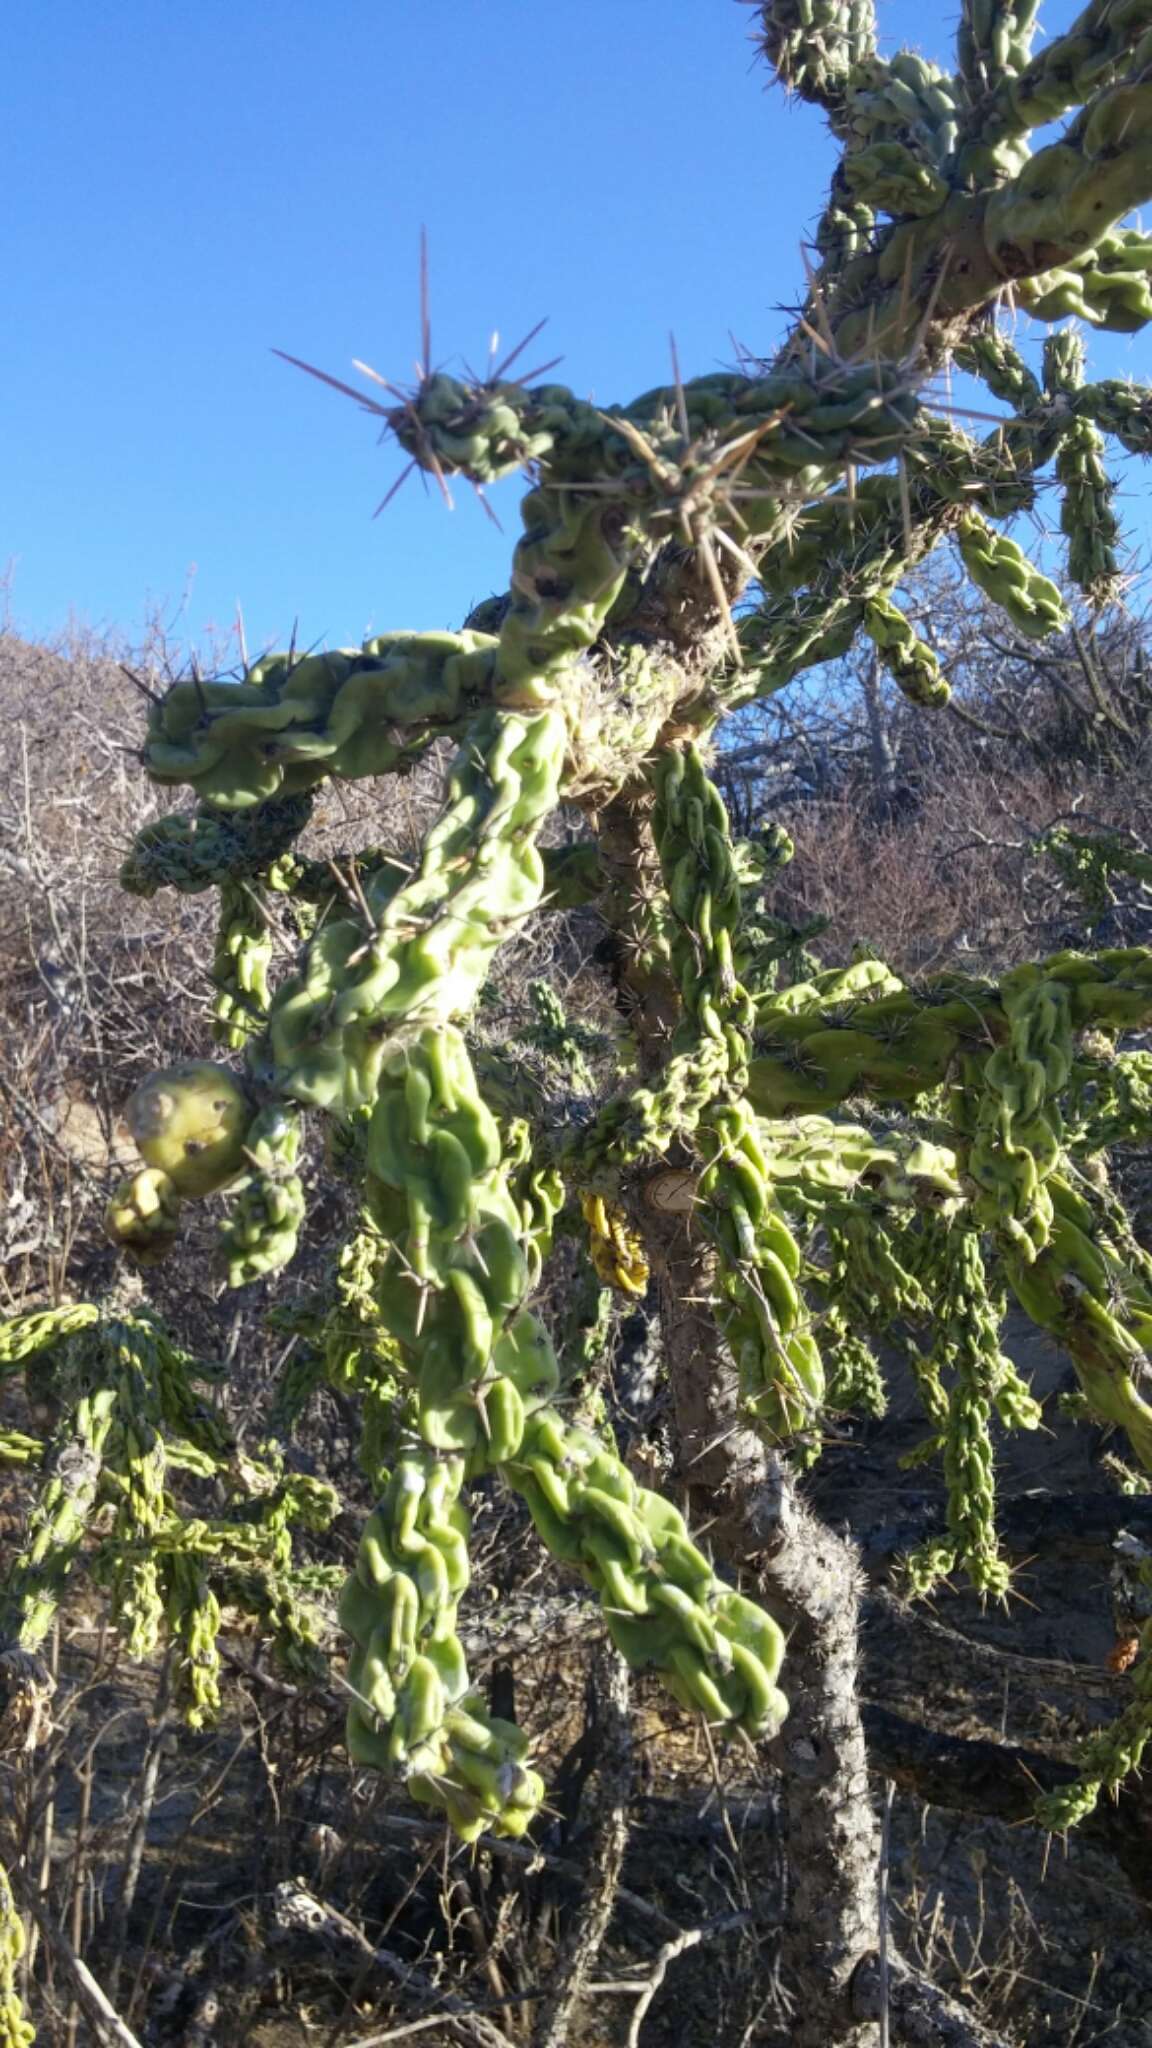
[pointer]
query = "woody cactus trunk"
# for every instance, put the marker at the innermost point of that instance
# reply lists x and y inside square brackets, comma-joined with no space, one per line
[798,1167]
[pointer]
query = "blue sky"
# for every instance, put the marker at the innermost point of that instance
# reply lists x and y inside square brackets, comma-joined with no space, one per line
[187,187]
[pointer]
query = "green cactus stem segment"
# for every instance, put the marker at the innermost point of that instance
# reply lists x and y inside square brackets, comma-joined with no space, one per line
[411,1708]
[24,1336]
[208,847]
[999,566]
[1086,1300]
[266,1210]
[983,1385]
[1019,1128]
[243,956]
[451,1292]
[665,1608]
[293,721]
[423,945]
[914,667]
[814,45]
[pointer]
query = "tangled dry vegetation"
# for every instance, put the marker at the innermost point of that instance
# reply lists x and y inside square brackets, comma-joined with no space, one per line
[245,1883]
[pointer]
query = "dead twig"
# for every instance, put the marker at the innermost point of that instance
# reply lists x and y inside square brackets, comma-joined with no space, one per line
[297,1911]
[608,1842]
[94,2002]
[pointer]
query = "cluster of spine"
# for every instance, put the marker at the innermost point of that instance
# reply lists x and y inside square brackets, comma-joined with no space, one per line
[810,413]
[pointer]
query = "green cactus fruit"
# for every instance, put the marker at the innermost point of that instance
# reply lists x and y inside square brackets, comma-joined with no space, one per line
[189,1122]
[143,1215]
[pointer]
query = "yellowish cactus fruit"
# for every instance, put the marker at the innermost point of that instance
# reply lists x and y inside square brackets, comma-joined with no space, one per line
[190,1122]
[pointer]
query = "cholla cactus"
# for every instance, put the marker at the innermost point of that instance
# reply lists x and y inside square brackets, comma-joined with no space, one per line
[814,481]
[131,1416]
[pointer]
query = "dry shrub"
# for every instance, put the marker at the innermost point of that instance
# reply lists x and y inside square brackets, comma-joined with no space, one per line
[960,882]
[954,884]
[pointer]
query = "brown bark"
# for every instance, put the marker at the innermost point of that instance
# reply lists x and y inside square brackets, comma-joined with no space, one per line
[810,1579]
[920,2015]
[631,874]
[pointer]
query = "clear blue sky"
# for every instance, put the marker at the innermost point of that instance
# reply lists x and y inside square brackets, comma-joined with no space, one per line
[188,186]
